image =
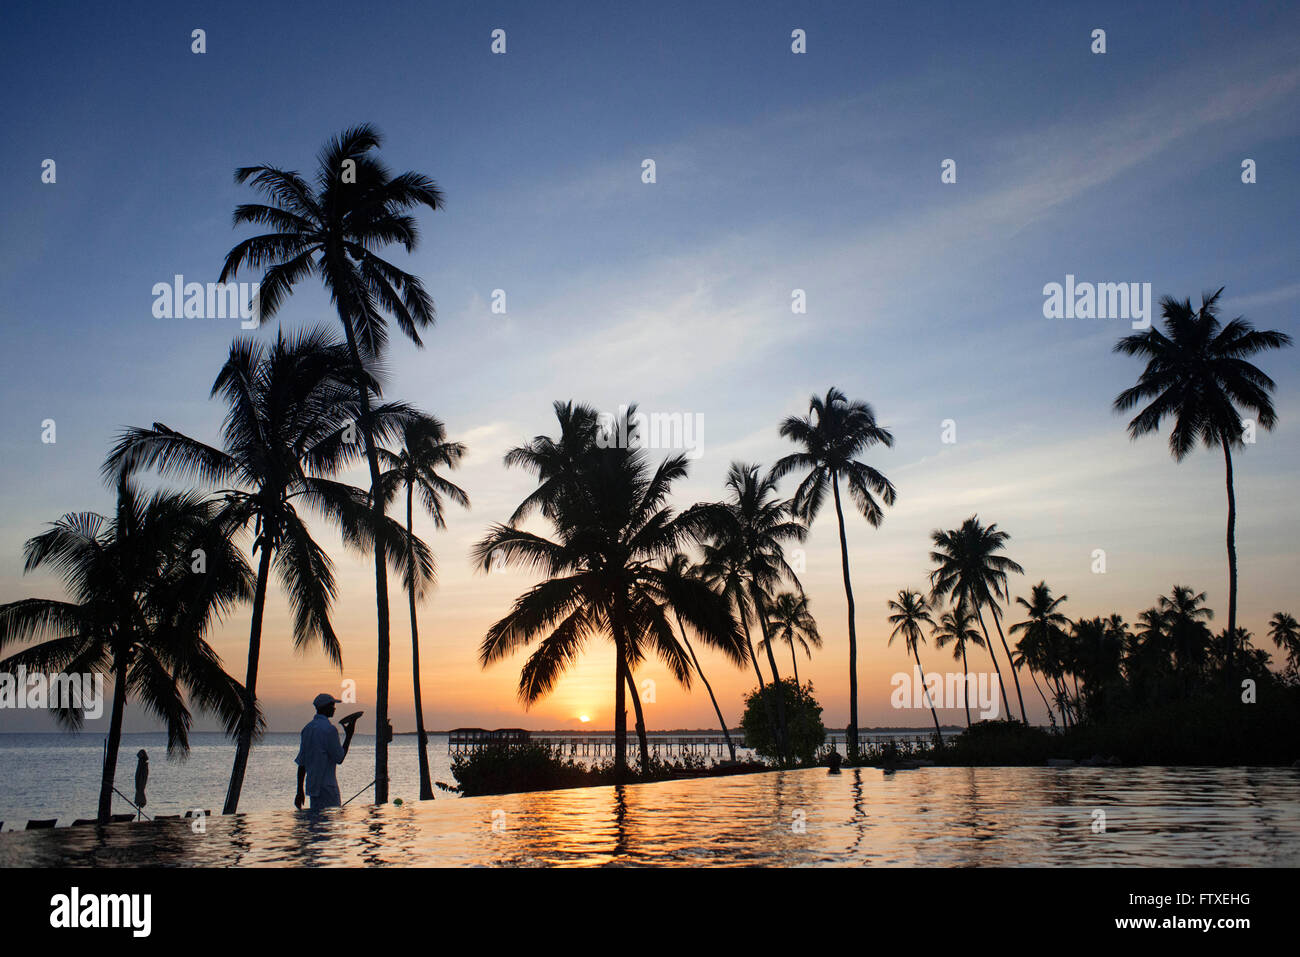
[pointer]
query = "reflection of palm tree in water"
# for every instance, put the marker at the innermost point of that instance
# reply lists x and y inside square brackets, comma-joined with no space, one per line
[859,818]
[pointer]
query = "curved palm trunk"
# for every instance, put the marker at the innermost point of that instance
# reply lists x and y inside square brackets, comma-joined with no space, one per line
[642,742]
[782,734]
[993,609]
[426,786]
[988,643]
[114,740]
[853,634]
[928,700]
[620,703]
[1050,715]
[965,686]
[381,573]
[245,743]
[709,688]
[1232,558]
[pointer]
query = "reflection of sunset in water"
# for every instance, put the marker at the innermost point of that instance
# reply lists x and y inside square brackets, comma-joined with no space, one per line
[931,816]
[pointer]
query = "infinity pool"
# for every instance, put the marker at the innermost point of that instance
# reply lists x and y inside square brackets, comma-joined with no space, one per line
[928,817]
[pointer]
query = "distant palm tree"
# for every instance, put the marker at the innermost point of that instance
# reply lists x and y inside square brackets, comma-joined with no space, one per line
[910,612]
[1285,632]
[679,566]
[604,574]
[1197,373]
[968,568]
[755,524]
[791,621]
[1041,632]
[332,229]
[290,409]
[144,589]
[414,467]
[833,434]
[1186,622]
[956,626]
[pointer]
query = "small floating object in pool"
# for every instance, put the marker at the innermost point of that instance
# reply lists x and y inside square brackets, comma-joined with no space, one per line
[397,802]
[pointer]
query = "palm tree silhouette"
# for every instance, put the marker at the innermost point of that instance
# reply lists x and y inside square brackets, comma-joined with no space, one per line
[677,567]
[1285,632]
[910,612]
[332,229]
[1197,373]
[832,435]
[956,626]
[414,467]
[723,569]
[754,524]
[1041,632]
[290,409]
[791,621]
[1186,622]
[968,568]
[604,574]
[145,587]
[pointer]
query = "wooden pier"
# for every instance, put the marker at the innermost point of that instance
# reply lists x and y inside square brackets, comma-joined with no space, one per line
[583,744]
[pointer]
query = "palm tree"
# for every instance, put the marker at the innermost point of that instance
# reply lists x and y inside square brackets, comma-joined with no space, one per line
[754,525]
[723,569]
[1284,631]
[332,229]
[604,574]
[1197,373]
[144,588]
[290,408]
[793,623]
[1040,633]
[424,449]
[832,435]
[957,626]
[1186,622]
[968,568]
[679,566]
[910,612]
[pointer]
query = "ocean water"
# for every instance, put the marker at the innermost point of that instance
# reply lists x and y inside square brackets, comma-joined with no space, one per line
[938,817]
[57,775]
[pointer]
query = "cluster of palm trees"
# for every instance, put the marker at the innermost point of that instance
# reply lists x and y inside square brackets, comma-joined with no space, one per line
[617,561]
[147,585]
[615,564]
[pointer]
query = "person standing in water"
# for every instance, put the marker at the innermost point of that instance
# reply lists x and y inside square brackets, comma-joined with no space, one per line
[320,753]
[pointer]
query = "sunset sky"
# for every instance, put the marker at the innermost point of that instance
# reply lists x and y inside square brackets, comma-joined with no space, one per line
[775,172]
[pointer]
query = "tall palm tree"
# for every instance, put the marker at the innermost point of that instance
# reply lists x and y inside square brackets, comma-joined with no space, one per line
[910,612]
[1040,633]
[1285,632]
[604,574]
[793,623]
[833,434]
[1197,373]
[754,523]
[140,609]
[968,568]
[679,566]
[957,626]
[333,229]
[414,467]
[290,408]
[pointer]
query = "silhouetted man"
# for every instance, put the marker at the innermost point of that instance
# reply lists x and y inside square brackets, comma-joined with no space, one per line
[320,753]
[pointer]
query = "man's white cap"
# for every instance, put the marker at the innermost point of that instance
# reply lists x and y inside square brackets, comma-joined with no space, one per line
[322,699]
